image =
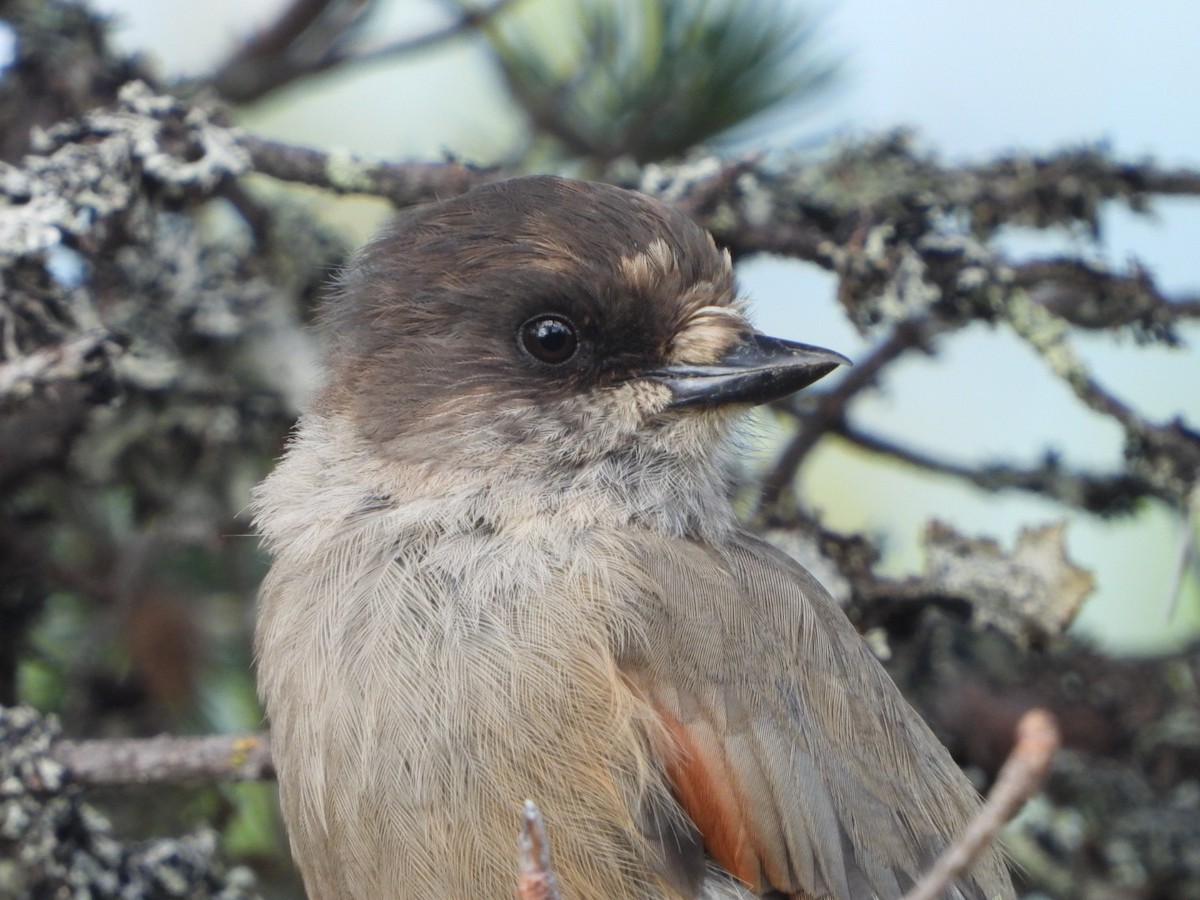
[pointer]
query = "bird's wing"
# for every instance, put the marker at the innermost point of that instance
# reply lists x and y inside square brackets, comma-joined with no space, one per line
[801,765]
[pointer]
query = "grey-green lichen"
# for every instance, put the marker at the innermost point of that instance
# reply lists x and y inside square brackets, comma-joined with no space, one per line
[87,172]
[673,183]
[1047,333]
[349,173]
[53,844]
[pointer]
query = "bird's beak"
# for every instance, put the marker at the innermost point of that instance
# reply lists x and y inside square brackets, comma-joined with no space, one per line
[756,370]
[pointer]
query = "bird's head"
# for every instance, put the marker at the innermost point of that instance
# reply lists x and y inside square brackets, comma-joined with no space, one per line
[548,322]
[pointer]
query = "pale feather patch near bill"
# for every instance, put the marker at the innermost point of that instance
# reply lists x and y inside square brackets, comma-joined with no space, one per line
[708,334]
[711,318]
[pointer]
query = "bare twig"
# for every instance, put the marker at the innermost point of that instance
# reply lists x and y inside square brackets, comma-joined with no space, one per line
[304,36]
[537,881]
[1105,495]
[1188,549]
[467,20]
[311,37]
[798,240]
[167,760]
[830,407]
[1023,774]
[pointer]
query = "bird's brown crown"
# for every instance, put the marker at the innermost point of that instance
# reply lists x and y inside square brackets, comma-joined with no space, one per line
[519,300]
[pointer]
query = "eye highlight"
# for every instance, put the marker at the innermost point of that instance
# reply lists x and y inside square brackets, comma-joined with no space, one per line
[549,339]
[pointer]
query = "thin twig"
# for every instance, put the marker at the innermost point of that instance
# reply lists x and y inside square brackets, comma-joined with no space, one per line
[1022,775]
[467,20]
[312,37]
[1104,495]
[1187,553]
[167,760]
[830,407]
[302,37]
[536,881]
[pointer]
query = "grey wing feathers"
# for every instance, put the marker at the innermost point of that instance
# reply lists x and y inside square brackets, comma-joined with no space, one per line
[847,792]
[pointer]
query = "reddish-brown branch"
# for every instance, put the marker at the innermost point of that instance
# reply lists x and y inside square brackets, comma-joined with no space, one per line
[536,881]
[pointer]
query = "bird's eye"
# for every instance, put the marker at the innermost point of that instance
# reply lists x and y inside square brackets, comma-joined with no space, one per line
[550,339]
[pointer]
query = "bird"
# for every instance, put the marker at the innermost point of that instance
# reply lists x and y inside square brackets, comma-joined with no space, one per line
[505,567]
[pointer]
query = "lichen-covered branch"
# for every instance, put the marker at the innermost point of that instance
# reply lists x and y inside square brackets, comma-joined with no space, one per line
[54,844]
[1105,495]
[155,346]
[1166,456]
[76,360]
[404,184]
[898,263]
[166,760]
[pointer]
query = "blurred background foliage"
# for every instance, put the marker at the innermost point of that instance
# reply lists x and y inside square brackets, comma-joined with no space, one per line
[129,566]
[649,80]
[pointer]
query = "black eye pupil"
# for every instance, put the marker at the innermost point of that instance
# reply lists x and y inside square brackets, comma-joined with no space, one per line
[550,339]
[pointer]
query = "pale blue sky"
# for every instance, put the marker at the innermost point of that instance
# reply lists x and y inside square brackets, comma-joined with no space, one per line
[973,79]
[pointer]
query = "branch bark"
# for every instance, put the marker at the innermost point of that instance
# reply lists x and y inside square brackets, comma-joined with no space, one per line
[403,184]
[167,760]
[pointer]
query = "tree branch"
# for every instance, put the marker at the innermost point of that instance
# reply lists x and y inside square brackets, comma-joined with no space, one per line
[311,37]
[1068,186]
[71,361]
[537,881]
[1105,495]
[166,760]
[468,19]
[1023,774]
[404,184]
[1167,456]
[816,416]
